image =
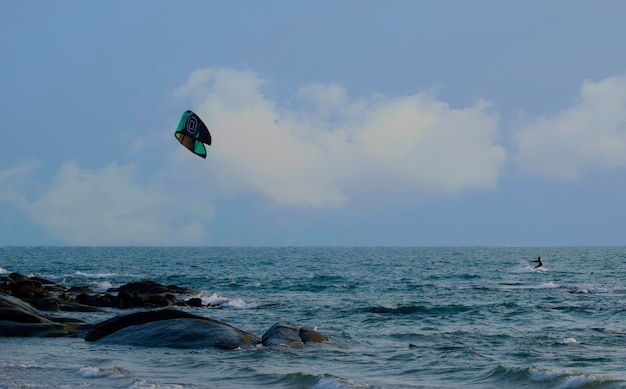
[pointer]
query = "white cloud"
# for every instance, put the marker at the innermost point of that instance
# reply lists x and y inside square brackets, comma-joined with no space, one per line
[109,207]
[319,156]
[591,133]
[11,180]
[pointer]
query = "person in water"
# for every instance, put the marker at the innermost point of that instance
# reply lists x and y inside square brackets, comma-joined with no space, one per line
[538,261]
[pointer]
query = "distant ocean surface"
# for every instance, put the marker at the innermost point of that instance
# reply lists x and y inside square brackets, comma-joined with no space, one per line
[396,317]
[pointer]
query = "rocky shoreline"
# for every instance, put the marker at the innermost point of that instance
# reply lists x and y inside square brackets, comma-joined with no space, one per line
[32,306]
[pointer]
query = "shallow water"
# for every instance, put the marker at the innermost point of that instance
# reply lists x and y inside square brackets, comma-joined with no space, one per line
[397,318]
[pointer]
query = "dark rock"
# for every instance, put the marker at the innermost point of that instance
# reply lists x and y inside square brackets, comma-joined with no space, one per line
[18,318]
[180,290]
[283,334]
[54,288]
[80,289]
[16,310]
[29,290]
[18,277]
[125,299]
[172,298]
[98,300]
[48,304]
[143,287]
[158,300]
[194,302]
[170,328]
[15,329]
[44,281]
[291,335]
[311,335]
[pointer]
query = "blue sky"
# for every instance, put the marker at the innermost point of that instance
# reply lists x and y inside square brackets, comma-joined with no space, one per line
[414,123]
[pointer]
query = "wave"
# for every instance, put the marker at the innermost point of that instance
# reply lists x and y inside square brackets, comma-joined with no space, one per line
[316,382]
[530,269]
[508,376]
[547,285]
[598,289]
[101,286]
[218,301]
[96,372]
[419,309]
[94,275]
[143,384]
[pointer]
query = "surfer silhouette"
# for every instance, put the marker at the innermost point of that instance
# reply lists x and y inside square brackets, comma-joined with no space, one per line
[538,261]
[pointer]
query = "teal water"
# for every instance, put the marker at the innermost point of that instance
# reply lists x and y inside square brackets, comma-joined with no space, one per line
[396,317]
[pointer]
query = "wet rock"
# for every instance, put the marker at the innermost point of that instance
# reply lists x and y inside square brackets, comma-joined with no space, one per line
[170,328]
[48,304]
[79,289]
[194,302]
[18,318]
[16,310]
[311,335]
[283,334]
[291,335]
[18,277]
[97,300]
[151,287]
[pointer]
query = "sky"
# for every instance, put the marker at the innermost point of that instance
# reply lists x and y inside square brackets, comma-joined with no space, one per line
[335,123]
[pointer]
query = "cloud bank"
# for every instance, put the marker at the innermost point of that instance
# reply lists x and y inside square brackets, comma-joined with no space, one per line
[319,150]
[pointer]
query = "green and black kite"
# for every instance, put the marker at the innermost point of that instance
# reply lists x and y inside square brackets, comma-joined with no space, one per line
[193,133]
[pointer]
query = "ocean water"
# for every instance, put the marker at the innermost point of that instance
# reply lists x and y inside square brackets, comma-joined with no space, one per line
[396,318]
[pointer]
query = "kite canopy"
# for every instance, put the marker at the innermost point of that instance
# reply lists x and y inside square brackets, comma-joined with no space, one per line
[192,133]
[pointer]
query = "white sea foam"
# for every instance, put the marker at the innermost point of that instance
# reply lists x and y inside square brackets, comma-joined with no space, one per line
[142,384]
[547,285]
[218,300]
[91,372]
[326,383]
[101,286]
[570,341]
[577,381]
[2,271]
[94,275]
[542,375]
[599,290]
[614,331]
[530,269]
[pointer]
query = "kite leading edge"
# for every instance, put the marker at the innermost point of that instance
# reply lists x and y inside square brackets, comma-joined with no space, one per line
[193,133]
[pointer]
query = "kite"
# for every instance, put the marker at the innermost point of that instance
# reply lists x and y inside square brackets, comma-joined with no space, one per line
[193,133]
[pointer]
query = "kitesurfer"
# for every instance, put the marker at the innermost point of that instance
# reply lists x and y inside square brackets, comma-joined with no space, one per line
[538,262]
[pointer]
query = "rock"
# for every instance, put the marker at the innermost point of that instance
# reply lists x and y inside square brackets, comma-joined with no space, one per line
[98,300]
[194,302]
[16,310]
[170,328]
[147,294]
[80,289]
[283,334]
[48,304]
[291,335]
[18,277]
[18,318]
[311,335]
[151,287]
[29,290]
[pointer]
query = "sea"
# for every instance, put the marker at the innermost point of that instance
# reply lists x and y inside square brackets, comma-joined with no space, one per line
[396,317]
